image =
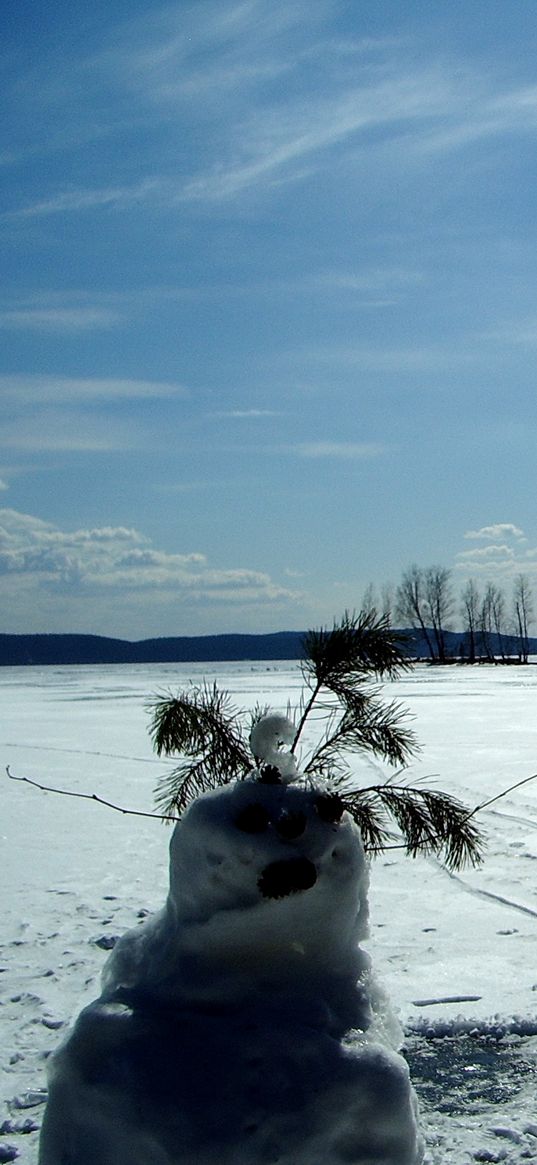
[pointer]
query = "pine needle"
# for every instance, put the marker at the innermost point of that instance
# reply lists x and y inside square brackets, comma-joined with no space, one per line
[431,822]
[357,645]
[203,726]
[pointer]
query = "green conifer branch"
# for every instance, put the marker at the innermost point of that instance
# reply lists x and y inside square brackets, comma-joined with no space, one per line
[206,732]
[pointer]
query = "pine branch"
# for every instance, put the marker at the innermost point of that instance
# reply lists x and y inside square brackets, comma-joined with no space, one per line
[431,822]
[194,722]
[357,645]
[307,705]
[366,725]
[370,817]
[203,726]
[340,661]
[337,659]
[176,789]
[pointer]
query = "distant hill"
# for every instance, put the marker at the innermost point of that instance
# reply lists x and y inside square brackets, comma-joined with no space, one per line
[42,650]
[16,650]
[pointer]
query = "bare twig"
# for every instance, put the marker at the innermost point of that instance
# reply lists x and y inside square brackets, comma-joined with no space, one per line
[89,797]
[491,800]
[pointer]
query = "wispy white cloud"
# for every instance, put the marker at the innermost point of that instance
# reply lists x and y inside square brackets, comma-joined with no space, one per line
[57,319]
[75,312]
[221,69]
[486,554]
[210,51]
[275,140]
[290,572]
[521,332]
[340,450]
[92,198]
[46,414]
[498,530]
[417,358]
[40,389]
[366,279]
[379,284]
[508,113]
[246,414]
[69,430]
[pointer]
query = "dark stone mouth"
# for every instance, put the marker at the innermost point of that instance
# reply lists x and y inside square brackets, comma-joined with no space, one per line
[290,876]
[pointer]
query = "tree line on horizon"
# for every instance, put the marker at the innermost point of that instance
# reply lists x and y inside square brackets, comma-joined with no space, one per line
[494,627]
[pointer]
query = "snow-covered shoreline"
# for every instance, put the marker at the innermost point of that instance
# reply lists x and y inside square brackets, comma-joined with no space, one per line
[77,875]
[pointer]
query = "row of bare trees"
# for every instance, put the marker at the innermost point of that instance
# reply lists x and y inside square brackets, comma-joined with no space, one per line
[489,625]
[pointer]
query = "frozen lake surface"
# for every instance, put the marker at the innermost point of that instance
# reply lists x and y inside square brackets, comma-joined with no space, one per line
[456,952]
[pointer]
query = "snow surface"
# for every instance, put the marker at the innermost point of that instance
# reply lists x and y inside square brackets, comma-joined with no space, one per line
[77,875]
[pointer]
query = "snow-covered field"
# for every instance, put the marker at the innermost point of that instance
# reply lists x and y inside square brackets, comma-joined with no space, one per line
[456,952]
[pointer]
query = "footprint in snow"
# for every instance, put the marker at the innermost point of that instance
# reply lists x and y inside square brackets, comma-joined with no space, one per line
[8,1153]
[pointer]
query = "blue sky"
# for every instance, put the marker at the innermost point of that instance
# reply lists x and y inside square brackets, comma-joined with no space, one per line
[269,307]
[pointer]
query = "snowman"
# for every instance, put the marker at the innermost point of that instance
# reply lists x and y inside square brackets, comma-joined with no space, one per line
[242,1025]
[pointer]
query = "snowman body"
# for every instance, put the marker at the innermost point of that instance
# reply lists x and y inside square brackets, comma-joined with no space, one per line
[241,1025]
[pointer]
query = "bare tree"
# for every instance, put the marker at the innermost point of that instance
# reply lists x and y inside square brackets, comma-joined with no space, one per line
[486,622]
[370,598]
[523,611]
[470,611]
[424,600]
[379,599]
[387,600]
[438,604]
[497,606]
[410,603]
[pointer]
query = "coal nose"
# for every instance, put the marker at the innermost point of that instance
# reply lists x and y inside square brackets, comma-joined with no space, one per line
[289,876]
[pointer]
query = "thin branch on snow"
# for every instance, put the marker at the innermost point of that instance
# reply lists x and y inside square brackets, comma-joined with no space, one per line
[491,800]
[89,797]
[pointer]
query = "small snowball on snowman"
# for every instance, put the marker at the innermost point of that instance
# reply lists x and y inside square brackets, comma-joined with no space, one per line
[242,1025]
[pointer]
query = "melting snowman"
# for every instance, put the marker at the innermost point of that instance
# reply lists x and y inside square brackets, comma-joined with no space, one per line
[242,1025]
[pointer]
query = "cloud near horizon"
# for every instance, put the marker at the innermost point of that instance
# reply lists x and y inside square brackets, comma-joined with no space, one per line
[85,564]
[503,555]
[499,530]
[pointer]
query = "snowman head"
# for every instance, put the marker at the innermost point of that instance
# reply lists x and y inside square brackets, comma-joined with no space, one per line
[257,870]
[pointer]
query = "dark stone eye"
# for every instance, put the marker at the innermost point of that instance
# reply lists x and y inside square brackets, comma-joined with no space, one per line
[330,807]
[291,825]
[252,819]
[270,775]
[280,879]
